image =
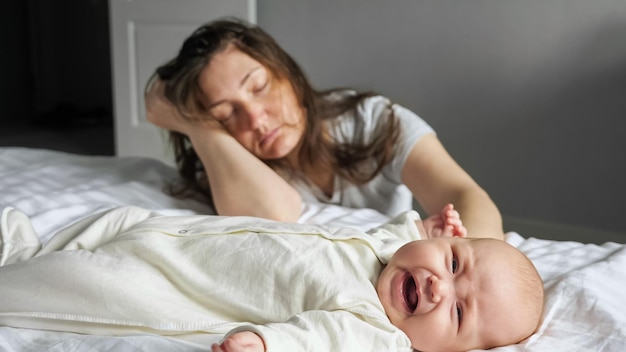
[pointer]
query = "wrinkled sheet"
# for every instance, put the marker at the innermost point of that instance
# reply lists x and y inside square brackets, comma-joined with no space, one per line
[585,307]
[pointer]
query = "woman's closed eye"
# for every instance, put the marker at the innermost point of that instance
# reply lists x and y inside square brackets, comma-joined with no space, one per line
[261,88]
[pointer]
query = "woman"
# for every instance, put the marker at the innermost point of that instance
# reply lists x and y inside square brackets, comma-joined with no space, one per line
[251,133]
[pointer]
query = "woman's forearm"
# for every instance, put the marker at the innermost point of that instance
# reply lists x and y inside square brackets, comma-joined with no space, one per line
[241,184]
[436,180]
[480,215]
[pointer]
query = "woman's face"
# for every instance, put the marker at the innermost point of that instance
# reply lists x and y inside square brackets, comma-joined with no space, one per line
[259,110]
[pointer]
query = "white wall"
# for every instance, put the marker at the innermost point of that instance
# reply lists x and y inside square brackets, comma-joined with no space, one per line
[527,95]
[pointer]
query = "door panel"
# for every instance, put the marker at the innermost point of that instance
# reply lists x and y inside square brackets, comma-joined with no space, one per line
[144,35]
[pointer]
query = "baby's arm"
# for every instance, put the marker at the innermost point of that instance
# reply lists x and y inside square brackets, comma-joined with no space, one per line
[244,341]
[445,224]
[319,331]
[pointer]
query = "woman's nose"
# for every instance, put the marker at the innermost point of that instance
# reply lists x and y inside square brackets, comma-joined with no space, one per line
[256,114]
[439,288]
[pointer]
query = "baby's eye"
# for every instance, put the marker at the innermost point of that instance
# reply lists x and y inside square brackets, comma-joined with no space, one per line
[455,265]
[459,313]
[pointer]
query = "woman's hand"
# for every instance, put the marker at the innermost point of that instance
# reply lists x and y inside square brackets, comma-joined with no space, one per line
[244,341]
[162,113]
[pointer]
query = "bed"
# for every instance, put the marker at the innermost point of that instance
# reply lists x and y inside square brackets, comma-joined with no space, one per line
[585,284]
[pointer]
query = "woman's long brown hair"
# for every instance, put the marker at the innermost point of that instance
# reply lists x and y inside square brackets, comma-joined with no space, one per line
[357,161]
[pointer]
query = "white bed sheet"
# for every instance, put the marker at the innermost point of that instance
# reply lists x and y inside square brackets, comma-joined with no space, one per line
[585,284]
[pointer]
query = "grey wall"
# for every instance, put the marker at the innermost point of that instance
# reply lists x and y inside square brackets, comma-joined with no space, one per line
[528,96]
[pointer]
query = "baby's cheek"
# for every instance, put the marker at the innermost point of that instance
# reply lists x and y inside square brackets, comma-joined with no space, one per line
[427,333]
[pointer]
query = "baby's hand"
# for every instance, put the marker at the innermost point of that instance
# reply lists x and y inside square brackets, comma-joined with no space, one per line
[245,341]
[445,224]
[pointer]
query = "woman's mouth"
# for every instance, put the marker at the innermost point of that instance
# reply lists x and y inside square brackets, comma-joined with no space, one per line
[268,137]
[409,292]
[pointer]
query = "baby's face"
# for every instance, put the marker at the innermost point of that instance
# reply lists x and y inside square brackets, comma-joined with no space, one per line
[456,294]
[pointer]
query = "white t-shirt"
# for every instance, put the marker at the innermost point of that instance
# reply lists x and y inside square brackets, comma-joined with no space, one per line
[386,192]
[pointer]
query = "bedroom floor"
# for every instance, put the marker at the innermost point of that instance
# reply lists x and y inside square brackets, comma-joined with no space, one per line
[96,139]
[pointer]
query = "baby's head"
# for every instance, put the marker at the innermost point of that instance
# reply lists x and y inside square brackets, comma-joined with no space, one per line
[457,294]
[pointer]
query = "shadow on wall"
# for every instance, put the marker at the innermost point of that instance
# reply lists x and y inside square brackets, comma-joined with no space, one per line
[578,110]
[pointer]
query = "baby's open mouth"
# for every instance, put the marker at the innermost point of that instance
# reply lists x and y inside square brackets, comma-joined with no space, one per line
[410,293]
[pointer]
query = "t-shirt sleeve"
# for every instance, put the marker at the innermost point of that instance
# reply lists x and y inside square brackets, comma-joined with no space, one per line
[412,127]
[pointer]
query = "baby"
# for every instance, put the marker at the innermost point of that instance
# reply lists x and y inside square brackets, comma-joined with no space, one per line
[271,286]
[450,293]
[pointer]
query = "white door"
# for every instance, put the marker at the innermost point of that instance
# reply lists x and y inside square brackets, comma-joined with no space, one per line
[144,35]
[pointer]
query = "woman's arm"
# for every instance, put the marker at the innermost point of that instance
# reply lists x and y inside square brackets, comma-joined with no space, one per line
[435,180]
[241,184]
